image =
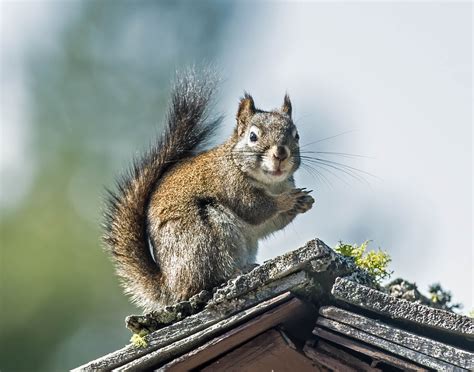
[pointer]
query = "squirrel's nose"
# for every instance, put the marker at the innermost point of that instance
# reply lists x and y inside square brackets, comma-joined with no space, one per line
[280,153]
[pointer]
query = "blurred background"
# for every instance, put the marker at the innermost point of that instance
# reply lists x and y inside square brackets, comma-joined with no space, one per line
[84,87]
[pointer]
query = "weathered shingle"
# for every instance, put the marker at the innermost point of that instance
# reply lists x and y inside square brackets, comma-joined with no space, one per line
[318,276]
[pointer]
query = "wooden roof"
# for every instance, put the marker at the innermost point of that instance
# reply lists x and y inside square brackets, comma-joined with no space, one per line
[310,309]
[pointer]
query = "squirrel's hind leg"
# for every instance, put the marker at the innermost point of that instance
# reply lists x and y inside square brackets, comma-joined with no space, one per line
[199,254]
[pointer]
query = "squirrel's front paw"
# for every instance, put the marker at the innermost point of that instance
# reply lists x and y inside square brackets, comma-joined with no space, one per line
[295,201]
[304,204]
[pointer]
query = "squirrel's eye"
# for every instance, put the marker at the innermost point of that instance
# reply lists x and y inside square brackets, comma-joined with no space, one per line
[253,137]
[295,134]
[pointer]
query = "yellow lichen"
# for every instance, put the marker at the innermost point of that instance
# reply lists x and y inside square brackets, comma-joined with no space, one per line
[138,340]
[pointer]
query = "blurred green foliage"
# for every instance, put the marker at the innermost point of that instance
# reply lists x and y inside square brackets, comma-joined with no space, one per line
[442,298]
[97,98]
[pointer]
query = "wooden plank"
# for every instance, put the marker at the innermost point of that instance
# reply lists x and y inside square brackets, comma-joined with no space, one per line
[153,359]
[393,348]
[328,361]
[368,350]
[349,359]
[237,336]
[269,294]
[335,360]
[266,352]
[395,308]
[423,345]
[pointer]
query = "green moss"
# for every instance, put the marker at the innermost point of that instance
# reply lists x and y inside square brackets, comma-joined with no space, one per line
[374,262]
[138,340]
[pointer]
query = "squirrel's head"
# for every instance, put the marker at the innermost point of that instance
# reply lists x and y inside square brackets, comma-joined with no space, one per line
[266,143]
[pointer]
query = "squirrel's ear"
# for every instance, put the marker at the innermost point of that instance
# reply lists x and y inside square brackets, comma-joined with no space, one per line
[245,112]
[286,108]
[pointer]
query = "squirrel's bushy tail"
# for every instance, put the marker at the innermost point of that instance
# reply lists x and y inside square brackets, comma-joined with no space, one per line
[188,127]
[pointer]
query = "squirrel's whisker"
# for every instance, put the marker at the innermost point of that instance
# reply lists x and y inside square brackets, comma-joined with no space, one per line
[316,174]
[321,160]
[327,138]
[348,172]
[342,154]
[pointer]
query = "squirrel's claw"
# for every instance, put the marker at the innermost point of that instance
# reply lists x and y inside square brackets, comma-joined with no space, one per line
[296,201]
